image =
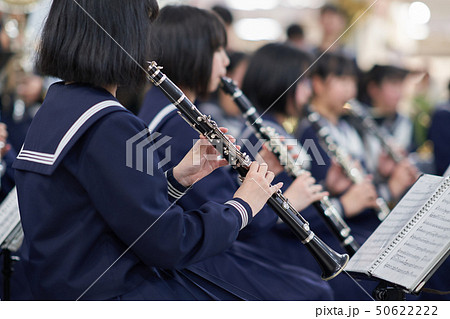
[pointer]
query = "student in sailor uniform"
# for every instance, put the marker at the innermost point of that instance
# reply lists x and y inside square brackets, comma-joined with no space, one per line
[334,83]
[242,265]
[381,88]
[272,71]
[96,227]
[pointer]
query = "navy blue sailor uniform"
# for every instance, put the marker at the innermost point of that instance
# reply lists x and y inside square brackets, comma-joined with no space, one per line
[96,228]
[361,225]
[243,265]
[281,244]
[345,136]
[281,232]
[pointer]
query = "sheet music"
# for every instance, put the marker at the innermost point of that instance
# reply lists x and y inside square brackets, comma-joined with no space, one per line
[393,224]
[423,245]
[9,214]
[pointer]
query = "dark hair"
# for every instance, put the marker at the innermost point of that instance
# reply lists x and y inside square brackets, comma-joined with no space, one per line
[272,70]
[331,8]
[380,73]
[236,57]
[224,13]
[76,48]
[334,64]
[295,31]
[187,38]
[377,75]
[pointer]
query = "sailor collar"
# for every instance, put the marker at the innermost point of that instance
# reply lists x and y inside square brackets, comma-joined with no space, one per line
[66,114]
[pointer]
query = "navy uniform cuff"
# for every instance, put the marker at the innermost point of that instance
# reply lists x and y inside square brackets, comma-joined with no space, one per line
[244,210]
[174,188]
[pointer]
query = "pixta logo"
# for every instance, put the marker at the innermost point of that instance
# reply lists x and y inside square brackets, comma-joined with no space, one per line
[141,148]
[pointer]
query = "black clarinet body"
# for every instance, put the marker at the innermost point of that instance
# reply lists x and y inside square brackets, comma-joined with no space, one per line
[355,174]
[324,207]
[330,261]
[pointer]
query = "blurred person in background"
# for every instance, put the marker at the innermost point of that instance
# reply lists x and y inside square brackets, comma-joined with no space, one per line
[382,89]
[333,21]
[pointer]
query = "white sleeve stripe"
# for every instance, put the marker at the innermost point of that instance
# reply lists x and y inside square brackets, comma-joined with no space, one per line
[173,190]
[242,211]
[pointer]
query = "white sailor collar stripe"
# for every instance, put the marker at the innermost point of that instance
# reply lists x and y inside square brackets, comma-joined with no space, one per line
[50,159]
[160,117]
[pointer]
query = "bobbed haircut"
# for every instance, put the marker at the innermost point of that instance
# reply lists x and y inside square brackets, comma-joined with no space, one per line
[335,64]
[273,69]
[380,73]
[75,48]
[377,75]
[185,39]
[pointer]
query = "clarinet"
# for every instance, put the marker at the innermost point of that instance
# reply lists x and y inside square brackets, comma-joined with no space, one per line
[355,109]
[343,158]
[326,210]
[329,261]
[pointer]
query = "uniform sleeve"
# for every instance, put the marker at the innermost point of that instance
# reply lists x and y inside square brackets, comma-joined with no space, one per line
[218,186]
[133,200]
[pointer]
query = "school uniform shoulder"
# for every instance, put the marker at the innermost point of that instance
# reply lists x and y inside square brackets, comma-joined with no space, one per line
[58,125]
[156,109]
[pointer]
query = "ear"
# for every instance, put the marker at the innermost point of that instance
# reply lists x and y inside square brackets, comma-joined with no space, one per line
[318,85]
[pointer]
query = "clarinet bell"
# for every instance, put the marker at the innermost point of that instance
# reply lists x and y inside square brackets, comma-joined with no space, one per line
[331,263]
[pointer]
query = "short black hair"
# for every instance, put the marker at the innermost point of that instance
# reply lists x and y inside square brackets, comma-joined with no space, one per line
[236,57]
[377,75]
[224,13]
[380,73]
[335,64]
[295,31]
[187,38]
[272,70]
[75,48]
[332,8]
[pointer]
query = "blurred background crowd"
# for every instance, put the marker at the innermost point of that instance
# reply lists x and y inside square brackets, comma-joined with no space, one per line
[410,35]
